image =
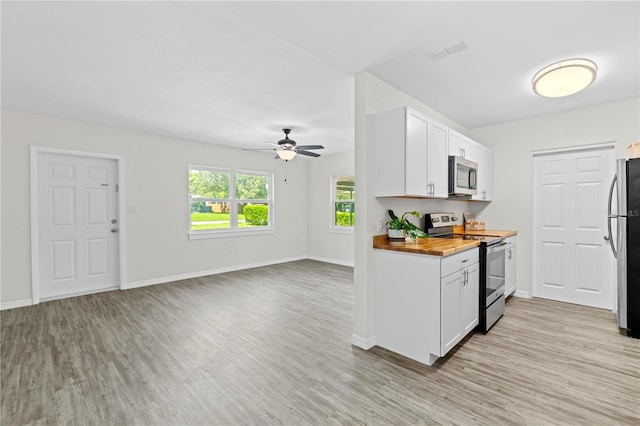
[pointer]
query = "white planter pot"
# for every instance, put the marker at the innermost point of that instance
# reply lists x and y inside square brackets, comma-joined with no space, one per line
[396,235]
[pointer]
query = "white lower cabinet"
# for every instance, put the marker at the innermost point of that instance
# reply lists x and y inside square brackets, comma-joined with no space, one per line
[425,304]
[510,266]
[459,305]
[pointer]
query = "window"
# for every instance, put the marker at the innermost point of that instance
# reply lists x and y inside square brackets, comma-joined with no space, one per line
[229,201]
[343,200]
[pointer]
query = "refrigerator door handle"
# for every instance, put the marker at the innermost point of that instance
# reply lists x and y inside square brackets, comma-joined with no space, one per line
[610,216]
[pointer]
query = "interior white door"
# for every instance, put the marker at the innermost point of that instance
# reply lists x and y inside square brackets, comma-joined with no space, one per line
[571,259]
[77,224]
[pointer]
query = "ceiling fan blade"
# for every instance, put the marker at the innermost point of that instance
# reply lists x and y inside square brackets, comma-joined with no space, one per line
[309,153]
[310,147]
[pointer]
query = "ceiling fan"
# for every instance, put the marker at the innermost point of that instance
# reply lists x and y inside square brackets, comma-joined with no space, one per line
[287,148]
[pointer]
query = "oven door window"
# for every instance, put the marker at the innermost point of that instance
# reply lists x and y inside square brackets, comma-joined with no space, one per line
[495,271]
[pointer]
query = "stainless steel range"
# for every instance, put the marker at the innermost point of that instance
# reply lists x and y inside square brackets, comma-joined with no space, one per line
[492,265]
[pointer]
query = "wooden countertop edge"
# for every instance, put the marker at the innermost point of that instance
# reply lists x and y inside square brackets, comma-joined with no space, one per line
[422,246]
[505,233]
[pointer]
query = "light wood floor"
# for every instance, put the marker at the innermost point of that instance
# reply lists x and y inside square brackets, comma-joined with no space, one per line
[272,346]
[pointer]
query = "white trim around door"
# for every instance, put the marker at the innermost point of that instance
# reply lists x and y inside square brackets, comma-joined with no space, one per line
[35,152]
[570,259]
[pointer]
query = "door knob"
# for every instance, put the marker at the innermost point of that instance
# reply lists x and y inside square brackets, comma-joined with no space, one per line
[114,221]
[114,230]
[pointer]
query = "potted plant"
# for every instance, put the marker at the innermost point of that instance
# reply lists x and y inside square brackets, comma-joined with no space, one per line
[400,227]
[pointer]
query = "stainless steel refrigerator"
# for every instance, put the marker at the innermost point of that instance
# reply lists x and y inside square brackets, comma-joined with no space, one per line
[626,243]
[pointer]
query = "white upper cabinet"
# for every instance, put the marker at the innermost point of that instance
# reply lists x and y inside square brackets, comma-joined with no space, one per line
[462,146]
[485,174]
[410,155]
[455,143]
[416,152]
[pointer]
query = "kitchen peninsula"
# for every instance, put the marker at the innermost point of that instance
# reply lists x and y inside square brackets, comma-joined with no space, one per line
[427,293]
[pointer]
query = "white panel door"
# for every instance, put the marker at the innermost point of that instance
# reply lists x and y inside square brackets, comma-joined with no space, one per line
[77,223]
[571,260]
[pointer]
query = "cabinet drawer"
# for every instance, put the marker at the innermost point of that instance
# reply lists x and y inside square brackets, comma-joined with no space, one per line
[453,263]
[511,241]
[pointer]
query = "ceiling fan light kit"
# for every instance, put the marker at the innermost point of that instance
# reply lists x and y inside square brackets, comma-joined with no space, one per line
[286,154]
[564,78]
[287,148]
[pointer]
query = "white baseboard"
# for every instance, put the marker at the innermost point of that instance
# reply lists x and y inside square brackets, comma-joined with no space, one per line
[362,342]
[522,293]
[334,261]
[16,304]
[188,275]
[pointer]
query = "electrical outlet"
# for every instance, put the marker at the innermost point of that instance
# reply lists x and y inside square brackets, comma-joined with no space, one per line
[131,208]
[380,225]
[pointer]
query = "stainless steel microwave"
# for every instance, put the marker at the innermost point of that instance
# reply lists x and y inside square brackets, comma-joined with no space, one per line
[463,176]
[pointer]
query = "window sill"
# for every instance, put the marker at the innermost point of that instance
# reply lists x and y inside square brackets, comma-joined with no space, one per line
[202,235]
[345,231]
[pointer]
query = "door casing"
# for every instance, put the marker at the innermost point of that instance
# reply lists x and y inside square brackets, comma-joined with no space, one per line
[35,242]
[603,146]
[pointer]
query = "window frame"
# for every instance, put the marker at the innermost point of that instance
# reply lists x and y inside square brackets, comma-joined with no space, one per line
[233,201]
[333,227]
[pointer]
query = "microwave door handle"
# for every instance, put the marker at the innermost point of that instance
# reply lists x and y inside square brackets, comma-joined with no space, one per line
[473,173]
[611,216]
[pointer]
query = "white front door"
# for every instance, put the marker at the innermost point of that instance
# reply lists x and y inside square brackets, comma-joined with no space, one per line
[571,260]
[77,224]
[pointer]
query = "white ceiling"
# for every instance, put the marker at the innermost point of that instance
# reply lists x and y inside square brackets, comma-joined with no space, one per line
[235,73]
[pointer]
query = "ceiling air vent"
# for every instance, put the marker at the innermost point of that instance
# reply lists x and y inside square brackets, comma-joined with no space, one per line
[453,48]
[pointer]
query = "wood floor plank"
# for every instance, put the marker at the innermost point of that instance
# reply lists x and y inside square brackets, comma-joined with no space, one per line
[272,346]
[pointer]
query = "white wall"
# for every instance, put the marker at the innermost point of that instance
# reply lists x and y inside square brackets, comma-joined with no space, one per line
[156,183]
[513,145]
[324,243]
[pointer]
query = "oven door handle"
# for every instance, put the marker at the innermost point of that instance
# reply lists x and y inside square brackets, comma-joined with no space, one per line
[497,247]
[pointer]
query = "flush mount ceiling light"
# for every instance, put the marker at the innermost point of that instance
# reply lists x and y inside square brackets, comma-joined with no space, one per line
[564,78]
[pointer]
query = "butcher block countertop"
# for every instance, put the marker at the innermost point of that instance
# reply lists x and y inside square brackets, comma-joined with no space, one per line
[504,233]
[432,246]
